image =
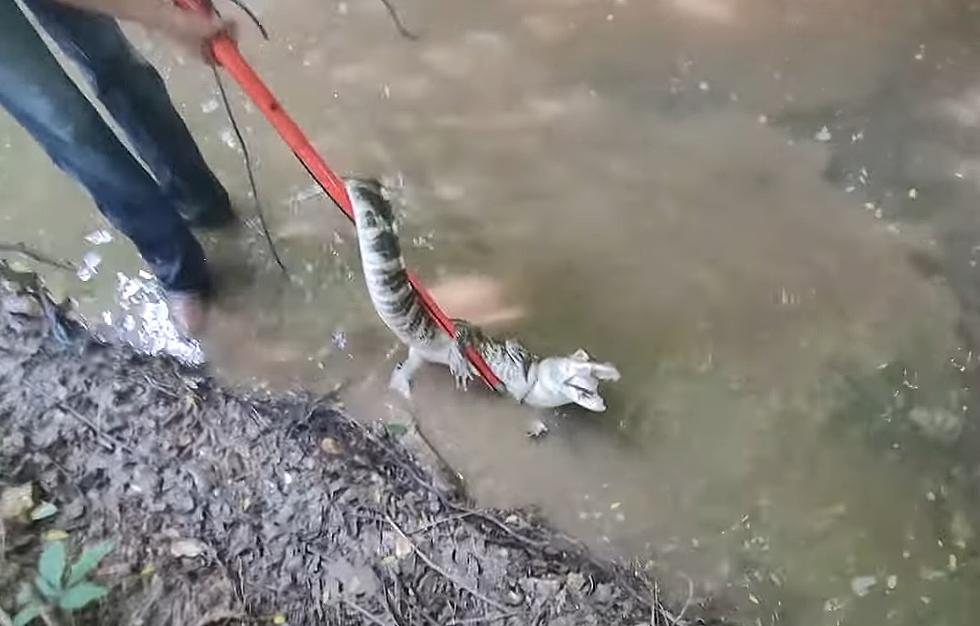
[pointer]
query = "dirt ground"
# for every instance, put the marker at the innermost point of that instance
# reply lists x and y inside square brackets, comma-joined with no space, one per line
[228,507]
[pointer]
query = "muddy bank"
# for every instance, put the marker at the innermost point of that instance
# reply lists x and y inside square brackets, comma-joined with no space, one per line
[226,507]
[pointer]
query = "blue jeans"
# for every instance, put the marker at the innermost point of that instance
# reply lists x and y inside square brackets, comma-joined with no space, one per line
[42,98]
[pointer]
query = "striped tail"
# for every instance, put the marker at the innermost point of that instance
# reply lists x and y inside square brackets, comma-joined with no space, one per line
[394,299]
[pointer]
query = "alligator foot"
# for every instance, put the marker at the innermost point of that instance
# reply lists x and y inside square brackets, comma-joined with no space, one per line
[400,383]
[401,378]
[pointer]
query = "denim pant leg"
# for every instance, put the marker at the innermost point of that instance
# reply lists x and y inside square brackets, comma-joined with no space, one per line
[136,97]
[37,93]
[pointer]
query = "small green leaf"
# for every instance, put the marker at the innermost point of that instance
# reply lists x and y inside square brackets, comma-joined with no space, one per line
[51,565]
[43,511]
[27,614]
[47,590]
[88,561]
[396,430]
[80,595]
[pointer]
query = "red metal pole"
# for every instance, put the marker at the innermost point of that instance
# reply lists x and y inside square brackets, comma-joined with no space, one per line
[227,54]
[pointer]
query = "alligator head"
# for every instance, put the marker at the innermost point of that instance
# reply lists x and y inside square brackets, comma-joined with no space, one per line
[571,379]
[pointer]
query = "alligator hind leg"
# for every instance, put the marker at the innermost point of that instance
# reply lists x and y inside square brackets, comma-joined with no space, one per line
[401,378]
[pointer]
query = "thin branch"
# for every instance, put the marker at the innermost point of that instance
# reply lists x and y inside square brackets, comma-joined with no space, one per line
[404,32]
[687,603]
[445,520]
[251,15]
[22,248]
[98,431]
[435,567]
[364,612]
[248,169]
[488,619]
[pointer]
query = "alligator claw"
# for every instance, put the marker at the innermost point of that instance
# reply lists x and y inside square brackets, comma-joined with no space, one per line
[459,366]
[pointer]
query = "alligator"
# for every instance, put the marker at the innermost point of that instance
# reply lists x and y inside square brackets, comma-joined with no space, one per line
[531,380]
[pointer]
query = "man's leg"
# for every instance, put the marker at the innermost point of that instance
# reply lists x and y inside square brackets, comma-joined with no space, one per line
[37,92]
[136,97]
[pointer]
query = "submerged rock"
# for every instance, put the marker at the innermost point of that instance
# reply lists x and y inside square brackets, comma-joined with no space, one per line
[941,425]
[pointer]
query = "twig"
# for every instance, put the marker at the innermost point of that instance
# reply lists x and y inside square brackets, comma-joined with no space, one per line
[404,32]
[221,616]
[502,526]
[432,564]
[687,603]
[456,477]
[364,612]
[248,169]
[439,522]
[489,619]
[98,431]
[22,248]
[251,15]
[656,603]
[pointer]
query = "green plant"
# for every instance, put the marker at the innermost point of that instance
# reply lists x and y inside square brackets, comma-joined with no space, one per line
[54,588]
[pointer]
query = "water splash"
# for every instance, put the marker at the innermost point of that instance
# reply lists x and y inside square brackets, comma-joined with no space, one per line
[147,322]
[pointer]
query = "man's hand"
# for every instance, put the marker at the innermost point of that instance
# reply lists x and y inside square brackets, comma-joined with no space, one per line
[189,28]
[195,31]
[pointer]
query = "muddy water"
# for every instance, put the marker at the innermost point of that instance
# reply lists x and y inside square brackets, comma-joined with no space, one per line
[762,212]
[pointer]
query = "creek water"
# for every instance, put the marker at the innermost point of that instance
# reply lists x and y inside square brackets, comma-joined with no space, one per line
[763,212]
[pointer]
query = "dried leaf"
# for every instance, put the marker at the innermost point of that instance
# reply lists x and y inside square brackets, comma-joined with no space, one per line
[55,534]
[403,547]
[16,501]
[330,445]
[188,548]
[148,570]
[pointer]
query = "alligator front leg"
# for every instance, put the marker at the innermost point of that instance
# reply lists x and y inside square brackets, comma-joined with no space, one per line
[460,366]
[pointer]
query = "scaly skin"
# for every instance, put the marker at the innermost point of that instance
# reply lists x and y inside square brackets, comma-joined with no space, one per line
[539,382]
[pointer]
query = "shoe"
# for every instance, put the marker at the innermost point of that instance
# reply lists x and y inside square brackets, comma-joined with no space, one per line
[188,311]
[213,218]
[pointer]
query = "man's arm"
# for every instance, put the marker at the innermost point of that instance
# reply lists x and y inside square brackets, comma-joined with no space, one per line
[188,27]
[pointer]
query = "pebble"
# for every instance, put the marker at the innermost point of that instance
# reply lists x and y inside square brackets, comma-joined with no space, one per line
[861,585]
